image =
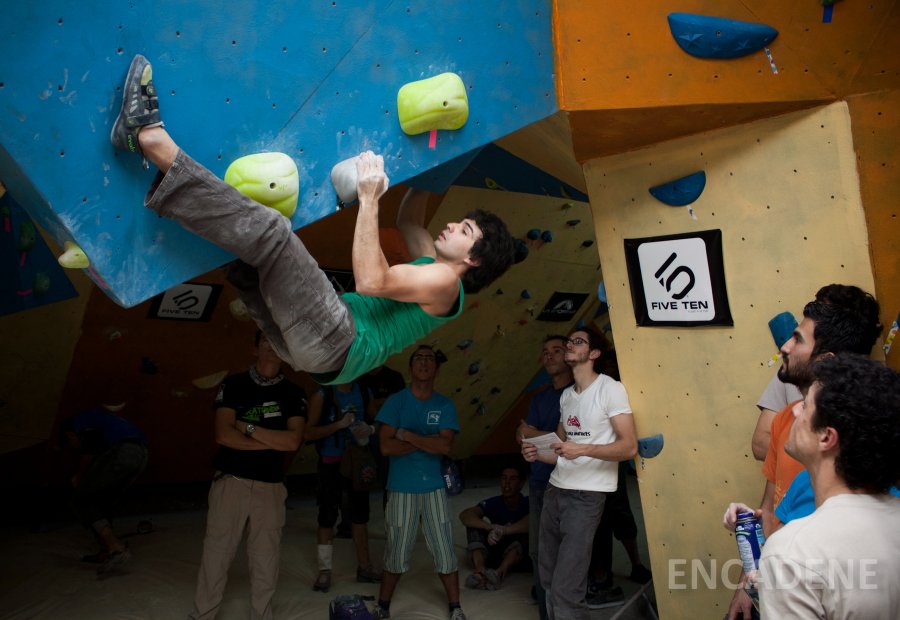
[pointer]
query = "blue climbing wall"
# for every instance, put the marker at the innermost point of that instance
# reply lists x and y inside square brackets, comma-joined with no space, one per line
[316,80]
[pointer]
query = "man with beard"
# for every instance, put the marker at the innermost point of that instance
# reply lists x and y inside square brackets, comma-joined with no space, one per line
[841,561]
[598,431]
[841,319]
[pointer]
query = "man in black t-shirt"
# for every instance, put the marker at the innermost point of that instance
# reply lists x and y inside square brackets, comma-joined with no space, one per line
[260,416]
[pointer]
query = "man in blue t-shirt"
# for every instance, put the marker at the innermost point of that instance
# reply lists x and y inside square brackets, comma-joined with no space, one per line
[497,531]
[417,429]
[543,418]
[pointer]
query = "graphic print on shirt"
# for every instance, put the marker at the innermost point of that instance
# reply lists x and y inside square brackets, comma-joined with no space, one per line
[433,418]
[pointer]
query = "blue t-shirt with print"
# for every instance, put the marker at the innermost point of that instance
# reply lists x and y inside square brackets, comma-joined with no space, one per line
[418,471]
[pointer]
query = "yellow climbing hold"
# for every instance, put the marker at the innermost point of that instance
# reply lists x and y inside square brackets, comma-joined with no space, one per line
[438,102]
[210,381]
[73,257]
[268,178]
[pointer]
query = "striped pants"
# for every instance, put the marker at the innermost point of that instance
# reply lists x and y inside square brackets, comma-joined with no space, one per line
[401,523]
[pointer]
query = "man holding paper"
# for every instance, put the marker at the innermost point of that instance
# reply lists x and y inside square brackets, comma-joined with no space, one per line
[543,420]
[597,431]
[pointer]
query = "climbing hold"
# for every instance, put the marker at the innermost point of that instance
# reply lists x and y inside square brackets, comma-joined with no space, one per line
[73,257]
[148,366]
[716,37]
[681,191]
[566,206]
[587,243]
[41,283]
[475,401]
[573,222]
[27,237]
[210,381]
[546,236]
[343,177]
[499,291]
[525,294]
[474,367]
[782,327]
[601,292]
[438,102]
[534,234]
[495,390]
[238,309]
[464,344]
[520,251]
[500,331]
[648,447]
[270,179]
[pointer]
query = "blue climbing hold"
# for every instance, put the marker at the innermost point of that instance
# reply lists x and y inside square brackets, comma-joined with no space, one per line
[716,37]
[680,192]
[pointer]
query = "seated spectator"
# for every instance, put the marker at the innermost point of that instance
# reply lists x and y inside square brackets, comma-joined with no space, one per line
[497,531]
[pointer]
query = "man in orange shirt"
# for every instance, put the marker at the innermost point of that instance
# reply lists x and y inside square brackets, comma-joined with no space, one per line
[840,319]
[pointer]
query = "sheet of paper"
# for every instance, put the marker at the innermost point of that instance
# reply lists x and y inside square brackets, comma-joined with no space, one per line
[543,442]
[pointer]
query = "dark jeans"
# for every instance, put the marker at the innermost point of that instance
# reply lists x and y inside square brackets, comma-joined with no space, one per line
[286,293]
[332,486]
[568,522]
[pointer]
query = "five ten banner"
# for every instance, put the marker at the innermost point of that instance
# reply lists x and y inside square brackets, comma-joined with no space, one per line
[678,280]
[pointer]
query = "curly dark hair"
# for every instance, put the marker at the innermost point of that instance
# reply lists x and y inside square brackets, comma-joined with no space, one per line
[495,251]
[860,399]
[595,341]
[846,319]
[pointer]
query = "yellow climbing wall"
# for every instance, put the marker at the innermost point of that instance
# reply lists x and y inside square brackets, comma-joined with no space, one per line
[785,194]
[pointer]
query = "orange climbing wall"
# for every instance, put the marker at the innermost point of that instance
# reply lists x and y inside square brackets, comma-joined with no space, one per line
[627,84]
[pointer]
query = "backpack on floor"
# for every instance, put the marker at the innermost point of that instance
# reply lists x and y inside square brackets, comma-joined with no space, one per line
[349,607]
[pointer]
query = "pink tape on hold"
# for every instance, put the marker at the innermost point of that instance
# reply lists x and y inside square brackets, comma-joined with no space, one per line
[23,293]
[22,258]
[97,278]
[432,139]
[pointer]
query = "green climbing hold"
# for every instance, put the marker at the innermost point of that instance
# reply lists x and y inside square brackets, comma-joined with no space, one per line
[270,179]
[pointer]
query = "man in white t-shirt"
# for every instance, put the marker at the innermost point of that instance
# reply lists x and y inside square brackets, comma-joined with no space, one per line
[598,431]
[843,560]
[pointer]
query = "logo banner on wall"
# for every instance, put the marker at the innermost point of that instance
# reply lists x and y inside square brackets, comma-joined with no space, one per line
[678,280]
[562,306]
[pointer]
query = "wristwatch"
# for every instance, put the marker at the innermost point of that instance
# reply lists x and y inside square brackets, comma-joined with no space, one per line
[249,430]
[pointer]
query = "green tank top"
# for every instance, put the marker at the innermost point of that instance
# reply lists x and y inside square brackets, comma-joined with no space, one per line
[384,327]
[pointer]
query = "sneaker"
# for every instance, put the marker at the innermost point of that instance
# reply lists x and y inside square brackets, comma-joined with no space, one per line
[596,586]
[493,578]
[368,574]
[606,598]
[379,612]
[140,107]
[323,581]
[115,561]
[457,614]
[640,574]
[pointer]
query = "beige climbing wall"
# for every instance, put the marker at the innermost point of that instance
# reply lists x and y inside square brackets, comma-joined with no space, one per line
[37,353]
[785,193]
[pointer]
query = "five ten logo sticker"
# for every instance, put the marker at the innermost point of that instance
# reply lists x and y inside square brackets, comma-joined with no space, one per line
[677,286]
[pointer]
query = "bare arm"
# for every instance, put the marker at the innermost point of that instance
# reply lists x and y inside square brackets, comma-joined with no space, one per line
[439,443]
[474,517]
[390,445]
[435,287]
[288,440]
[229,436]
[315,431]
[622,449]
[411,223]
[762,434]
